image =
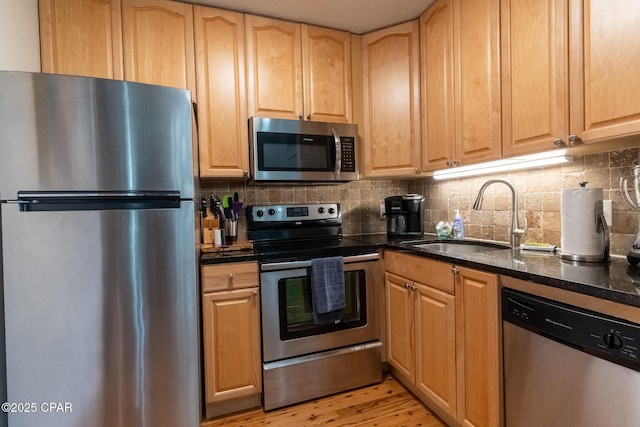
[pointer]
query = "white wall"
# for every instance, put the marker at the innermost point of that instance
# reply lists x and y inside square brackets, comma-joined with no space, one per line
[19,35]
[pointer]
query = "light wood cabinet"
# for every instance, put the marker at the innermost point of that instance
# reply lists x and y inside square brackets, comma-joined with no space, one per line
[326,59]
[231,337]
[421,326]
[461,117]
[478,348]
[274,68]
[222,107]
[566,74]
[400,325]
[476,58]
[604,57]
[535,76]
[438,120]
[81,37]
[158,43]
[391,101]
[443,337]
[297,71]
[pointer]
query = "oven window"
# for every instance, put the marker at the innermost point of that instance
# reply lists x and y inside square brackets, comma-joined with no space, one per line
[296,312]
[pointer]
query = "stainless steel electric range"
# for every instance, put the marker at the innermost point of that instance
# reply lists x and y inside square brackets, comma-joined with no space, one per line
[302,360]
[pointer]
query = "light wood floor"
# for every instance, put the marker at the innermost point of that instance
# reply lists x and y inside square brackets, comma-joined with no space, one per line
[385,404]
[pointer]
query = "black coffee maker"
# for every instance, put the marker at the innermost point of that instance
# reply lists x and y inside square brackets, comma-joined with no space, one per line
[405,215]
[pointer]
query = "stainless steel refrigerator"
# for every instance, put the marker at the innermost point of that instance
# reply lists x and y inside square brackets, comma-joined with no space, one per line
[98,301]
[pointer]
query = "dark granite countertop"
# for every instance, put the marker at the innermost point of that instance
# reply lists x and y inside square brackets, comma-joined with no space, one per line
[615,281]
[242,255]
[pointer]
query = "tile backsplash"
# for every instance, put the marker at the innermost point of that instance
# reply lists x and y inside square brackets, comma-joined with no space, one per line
[538,191]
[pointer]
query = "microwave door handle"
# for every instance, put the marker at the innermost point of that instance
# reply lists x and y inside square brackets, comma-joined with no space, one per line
[338,168]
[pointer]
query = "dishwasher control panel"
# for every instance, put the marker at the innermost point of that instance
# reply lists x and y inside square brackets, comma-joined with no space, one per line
[607,337]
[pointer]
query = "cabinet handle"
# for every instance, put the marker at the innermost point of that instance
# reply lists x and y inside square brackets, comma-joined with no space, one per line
[308,116]
[575,140]
[454,270]
[232,276]
[418,171]
[455,163]
[300,116]
[255,293]
[559,142]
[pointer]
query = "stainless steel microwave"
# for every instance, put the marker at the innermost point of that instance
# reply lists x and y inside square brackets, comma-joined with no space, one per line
[297,150]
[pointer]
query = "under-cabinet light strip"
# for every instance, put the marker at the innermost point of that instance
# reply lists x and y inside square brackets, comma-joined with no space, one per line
[516,163]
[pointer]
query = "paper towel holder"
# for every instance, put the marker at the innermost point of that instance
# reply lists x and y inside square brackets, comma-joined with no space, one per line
[601,227]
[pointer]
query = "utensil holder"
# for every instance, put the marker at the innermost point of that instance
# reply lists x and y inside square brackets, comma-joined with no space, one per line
[231,231]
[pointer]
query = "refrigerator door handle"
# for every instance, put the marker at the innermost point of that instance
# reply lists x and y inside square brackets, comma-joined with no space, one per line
[30,201]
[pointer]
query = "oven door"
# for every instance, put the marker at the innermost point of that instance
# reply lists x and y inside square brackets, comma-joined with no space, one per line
[288,329]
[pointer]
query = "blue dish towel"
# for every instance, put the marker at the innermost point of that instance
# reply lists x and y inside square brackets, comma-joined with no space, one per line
[327,289]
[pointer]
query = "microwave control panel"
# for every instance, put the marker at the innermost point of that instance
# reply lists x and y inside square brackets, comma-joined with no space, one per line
[348,147]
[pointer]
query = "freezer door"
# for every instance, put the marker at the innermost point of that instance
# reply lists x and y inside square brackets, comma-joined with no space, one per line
[101,317]
[79,133]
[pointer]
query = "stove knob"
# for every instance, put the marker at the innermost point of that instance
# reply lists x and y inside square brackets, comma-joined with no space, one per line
[272,211]
[259,214]
[612,341]
[320,209]
[332,211]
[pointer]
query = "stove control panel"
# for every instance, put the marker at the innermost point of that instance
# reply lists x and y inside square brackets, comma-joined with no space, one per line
[293,213]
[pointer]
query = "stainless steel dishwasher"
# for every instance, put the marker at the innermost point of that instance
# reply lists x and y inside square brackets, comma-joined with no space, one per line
[566,366]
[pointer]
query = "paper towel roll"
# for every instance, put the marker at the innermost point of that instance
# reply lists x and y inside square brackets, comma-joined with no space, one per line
[578,234]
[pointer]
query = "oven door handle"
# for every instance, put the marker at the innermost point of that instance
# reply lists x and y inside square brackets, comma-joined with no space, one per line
[273,266]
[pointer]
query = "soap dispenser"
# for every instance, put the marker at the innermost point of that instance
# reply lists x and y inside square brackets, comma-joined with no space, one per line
[458,226]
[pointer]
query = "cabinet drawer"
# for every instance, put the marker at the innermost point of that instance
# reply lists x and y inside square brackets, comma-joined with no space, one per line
[229,276]
[436,274]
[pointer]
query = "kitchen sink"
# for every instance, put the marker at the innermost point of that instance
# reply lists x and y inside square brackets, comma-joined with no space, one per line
[459,246]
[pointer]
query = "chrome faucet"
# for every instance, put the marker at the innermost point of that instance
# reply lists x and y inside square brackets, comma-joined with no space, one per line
[516,231]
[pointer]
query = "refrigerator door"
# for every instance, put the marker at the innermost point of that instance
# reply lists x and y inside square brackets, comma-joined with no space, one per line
[101,317]
[75,133]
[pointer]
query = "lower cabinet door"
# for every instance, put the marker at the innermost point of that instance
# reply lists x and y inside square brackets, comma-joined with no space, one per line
[478,348]
[436,346]
[400,325]
[231,330]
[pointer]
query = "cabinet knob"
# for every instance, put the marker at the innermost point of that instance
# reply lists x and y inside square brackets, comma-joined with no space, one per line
[454,270]
[414,288]
[455,163]
[245,173]
[231,276]
[575,140]
[418,171]
[406,286]
[300,116]
[449,163]
[308,116]
[255,293]
[559,142]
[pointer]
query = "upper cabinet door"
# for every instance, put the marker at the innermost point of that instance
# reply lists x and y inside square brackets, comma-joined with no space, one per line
[477,67]
[326,59]
[222,106]
[81,37]
[604,64]
[535,103]
[436,42]
[391,101]
[158,43]
[274,68]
